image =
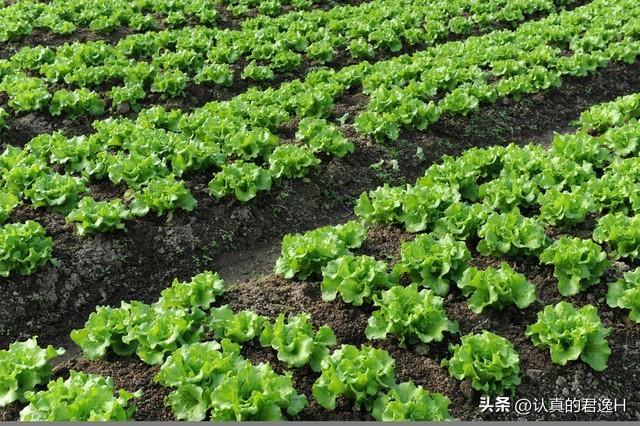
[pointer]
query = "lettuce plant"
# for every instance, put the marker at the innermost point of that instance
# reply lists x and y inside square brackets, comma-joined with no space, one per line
[409,315]
[199,363]
[379,125]
[257,72]
[238,327]
[8,202]
[113,328]
[24,247]
[356,278]
[461,220]
[104,329]
[3,119]
[225,386]
[489,361]
[360,49]
[160,118]
[571,333]
[241,179]
[129,94]
[305,254]
[525,160]
[76,154]
[59,192]
[321,136]
[255,393]
[563,174]
[507,192]
[220,74]
[321,51]
[621,233]
[291,161]
[25,93]
[20,169]
[162,195]
[98,216]
[625,293]
[358,374]
[433,262]
[613,193]
[382,205]
[76,103]
[622,141]
[149,331]
[170,82]
[565,208]
[251,144]
[286,61]
[496,288]
[578,264]
[511,234]
[82,397]
[408,402]
[458,176]
[135,169]
[580,147]
[295,341]
[459,101]
[156,332]
[424,203]
[24,366]
[191,155]
[611,114]
[199,292]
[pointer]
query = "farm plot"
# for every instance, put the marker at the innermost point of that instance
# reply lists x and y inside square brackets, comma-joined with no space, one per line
[206,149]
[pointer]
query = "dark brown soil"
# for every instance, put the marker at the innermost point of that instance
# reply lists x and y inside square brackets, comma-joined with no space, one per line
[271,295]
[41,37]
[25,126]
[241,242]
[224,235]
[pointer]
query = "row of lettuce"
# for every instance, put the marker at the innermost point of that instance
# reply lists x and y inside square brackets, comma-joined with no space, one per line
[167,62]
[198,346]
[238,137]
[25,246]
[25,174]
[209,379]
[586,183]
[21,18]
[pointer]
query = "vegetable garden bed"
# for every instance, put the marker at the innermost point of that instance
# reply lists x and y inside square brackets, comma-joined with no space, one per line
[354,137]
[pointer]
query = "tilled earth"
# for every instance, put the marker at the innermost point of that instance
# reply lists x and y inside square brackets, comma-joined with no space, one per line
[241,241]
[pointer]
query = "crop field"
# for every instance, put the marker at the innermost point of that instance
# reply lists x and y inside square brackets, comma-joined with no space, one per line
[319,210]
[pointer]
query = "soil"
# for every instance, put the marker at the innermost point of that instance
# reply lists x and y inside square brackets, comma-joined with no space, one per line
[108,268]
[42,37]
[241,241]
[25,126]
[270,295]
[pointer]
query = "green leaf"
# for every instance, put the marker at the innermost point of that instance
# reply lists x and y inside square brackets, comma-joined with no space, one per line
[625,294]
[488,360]
[410,315]
[359,374]
[408,402]
[82,397]
[305,254]
[497,288]
[570,333]
[578,264]
[22,367]
[356,278]
[434,262]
